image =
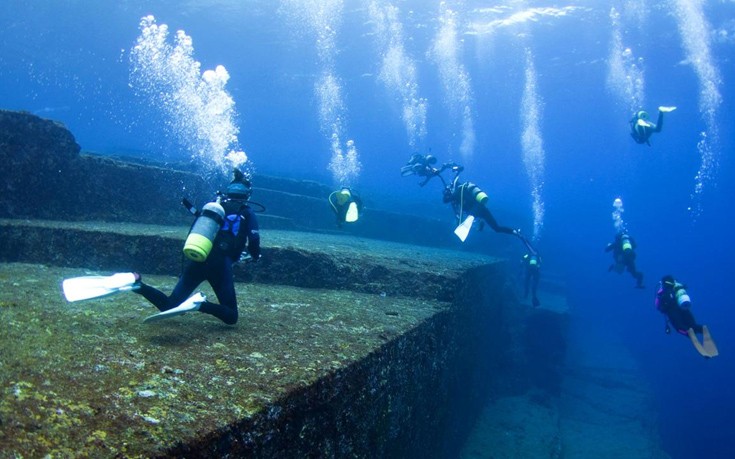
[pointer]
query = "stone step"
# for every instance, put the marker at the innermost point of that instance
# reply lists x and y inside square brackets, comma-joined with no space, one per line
[311,260]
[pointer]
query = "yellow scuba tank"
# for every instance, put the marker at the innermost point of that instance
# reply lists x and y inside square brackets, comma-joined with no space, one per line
[477,194]
[343,196]
[627,245]
[199,242]
[682,297]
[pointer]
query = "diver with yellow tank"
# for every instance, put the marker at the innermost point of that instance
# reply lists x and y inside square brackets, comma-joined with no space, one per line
[346,204]
[467,199]
[623,249]
[641,129]
[224,228]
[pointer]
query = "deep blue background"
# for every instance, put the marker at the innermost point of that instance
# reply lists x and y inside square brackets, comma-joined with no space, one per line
[69,61]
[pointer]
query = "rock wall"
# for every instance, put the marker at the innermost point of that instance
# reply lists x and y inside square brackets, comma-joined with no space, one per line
[48,177]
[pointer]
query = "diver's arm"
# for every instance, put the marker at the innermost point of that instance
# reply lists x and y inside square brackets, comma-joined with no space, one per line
[253,235]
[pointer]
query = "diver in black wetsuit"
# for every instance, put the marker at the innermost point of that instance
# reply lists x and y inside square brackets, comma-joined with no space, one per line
[239,228]
[346,204]
[641,129]
[673,300]
[465,198]
[469,198]
[623,249]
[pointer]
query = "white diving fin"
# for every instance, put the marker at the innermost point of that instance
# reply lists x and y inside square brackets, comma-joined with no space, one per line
[666,109]
[88,287]
[352,213]
[464,228]
[191,304]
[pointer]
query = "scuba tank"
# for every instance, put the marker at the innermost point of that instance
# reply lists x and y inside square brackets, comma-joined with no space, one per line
[682,297]
[533,261]
[201,236]
[477,194]
[625,242]
[342,198]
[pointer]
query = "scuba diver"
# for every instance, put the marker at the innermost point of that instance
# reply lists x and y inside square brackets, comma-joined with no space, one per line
[673,301]
[346,204]
[531,263]
[216,242]
[623,249]
[465,198]
[641,129]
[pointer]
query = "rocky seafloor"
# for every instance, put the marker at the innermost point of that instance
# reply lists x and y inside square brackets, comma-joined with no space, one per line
[346,370]
[90,378]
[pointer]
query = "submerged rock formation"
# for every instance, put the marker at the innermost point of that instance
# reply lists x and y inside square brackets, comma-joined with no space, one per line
[345,346]
[376,370]
[49,177]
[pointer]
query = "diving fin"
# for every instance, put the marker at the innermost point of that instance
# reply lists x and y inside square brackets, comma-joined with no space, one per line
[352,213]
[703,351]
[464,228]
[708,343]
[191,304]
[696,343]
[666,109]
[87,287]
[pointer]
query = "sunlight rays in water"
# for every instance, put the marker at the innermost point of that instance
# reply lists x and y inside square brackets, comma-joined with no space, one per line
[695,34]
[532,143]
[201,113]
[323,18]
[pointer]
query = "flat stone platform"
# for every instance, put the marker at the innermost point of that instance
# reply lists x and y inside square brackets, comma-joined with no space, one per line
[350,368]
[303,259]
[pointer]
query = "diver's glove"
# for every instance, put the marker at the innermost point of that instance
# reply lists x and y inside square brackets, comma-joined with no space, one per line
[246,258]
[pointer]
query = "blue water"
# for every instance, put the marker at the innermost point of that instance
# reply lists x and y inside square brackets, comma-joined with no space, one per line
[532,98]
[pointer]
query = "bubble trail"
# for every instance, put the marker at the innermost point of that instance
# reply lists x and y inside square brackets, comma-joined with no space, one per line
[454,77]
[532,144]
[201,113]
[398,70]
[617,215]
[695,34]
[322,18]
[625,76]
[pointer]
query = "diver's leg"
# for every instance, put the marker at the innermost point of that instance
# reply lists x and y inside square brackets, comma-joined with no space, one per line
[484,213]
[659,122]
[188,281]
[192,276]
[154,296]
[222,282]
